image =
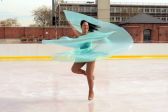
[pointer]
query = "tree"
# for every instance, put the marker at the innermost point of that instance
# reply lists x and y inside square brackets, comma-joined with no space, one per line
[9,22]
[33,25]
[42,16]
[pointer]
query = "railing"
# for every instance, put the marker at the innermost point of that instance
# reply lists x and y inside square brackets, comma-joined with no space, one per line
[138,3]
[112,2]
[78,2]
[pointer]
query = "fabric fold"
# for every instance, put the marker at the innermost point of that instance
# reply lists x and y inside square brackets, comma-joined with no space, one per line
[109,40]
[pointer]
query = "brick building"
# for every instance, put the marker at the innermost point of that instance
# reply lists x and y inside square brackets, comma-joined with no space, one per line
[145,28]
[142,27]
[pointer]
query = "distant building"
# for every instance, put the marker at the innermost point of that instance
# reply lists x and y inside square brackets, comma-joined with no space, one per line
[145,28]
[145,22]
[117,12]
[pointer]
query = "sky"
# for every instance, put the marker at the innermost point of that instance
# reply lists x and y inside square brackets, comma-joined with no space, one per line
[22,9]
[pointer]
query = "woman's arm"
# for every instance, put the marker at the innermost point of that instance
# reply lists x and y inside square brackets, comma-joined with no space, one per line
[77,33]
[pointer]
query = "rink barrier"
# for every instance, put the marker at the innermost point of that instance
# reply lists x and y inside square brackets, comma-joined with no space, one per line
[45,51]
[49,58]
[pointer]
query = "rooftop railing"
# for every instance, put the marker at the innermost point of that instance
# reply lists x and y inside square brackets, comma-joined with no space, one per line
[112,2]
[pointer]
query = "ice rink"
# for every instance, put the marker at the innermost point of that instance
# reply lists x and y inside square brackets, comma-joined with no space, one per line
[50,86]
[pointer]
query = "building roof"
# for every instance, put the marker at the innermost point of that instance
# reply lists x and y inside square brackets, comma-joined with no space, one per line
[143,18]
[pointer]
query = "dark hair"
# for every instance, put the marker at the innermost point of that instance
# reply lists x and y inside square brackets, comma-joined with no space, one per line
[92,27]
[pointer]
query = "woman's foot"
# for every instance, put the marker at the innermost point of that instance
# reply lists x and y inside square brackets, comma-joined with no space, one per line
[91,95]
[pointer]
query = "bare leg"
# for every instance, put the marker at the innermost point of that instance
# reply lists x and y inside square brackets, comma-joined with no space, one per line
[76,68]
[90,78]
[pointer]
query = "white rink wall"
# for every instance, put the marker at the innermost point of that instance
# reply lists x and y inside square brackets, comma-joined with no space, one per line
[12,50]
[147,49]
[17,50]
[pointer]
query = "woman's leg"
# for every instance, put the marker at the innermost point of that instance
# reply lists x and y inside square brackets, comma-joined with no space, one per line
[76,68]
[90,78]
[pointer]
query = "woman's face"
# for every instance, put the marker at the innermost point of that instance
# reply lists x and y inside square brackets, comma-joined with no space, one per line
[85,27]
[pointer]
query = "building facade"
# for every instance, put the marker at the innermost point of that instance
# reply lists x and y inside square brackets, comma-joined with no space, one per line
[117,12]
[145,22]
[146,29]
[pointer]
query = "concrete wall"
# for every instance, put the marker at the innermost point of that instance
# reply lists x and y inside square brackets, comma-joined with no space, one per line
[103,7]
[12,50]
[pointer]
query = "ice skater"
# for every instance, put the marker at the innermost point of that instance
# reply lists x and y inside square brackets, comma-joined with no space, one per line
[95,39]
[76,68]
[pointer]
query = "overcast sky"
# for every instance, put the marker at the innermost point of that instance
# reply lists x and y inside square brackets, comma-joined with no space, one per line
[22,9]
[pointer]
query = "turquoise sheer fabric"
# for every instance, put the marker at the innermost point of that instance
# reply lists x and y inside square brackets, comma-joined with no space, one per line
[108,40]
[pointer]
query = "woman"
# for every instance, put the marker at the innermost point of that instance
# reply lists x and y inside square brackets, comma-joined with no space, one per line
[88,47]
[76,68]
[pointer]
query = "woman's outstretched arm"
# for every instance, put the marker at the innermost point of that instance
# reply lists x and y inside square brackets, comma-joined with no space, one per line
[76,32]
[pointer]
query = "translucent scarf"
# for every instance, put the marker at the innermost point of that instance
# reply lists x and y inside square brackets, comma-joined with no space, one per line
[108,40]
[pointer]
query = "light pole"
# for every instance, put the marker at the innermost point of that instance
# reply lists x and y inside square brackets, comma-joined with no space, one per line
[53,13]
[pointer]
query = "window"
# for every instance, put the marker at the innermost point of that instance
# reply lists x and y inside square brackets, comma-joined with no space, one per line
[93,9]
[140,10]
[87,9]
[70,8]
[146,10]
[118,9]
[112,18]
[81,9]
[123,18]
[158,10]
[152,10]
[163,18]
[164,10]
[75,9]
[147,35]
[62,8]
[136,10]
[117,18]
[112,9]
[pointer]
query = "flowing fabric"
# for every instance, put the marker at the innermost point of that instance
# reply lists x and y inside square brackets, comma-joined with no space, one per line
[108,40]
